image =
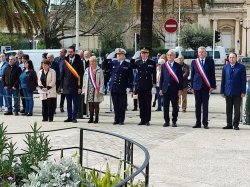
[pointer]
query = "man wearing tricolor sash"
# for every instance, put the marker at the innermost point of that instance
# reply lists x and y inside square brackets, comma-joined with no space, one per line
[203,82]
[71,82]
[171,85]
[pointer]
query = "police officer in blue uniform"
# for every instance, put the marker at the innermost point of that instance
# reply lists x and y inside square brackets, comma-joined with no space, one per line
[146,80]
[121,79]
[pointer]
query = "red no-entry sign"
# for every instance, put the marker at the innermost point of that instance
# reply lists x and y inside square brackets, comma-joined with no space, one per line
[171,25]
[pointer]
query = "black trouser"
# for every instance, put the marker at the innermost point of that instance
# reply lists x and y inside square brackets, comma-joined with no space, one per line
[94,107]
[201,98]
[233,102]
[173,97]
[120,105]
[145,99]
[62,100]
[22,99]
[135,104]
[48,108]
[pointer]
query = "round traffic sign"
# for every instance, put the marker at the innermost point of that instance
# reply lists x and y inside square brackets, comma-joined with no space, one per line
[171,25]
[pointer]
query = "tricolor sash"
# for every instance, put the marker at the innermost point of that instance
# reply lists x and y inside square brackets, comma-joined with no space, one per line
[91,75]
[171,72]
[73,71]
[202,72]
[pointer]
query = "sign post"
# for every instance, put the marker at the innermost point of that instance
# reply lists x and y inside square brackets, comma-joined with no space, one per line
[171,27]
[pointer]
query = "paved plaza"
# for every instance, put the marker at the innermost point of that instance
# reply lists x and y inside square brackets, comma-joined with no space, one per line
[180,156]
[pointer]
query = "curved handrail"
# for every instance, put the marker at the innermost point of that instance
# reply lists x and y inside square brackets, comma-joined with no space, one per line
[128,178]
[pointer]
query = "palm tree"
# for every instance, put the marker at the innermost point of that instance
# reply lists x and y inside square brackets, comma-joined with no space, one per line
[26,14]
[146,8]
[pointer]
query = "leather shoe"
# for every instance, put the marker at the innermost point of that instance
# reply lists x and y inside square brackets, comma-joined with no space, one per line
[45,120]
[227,127]
[148,124]
[61,109]
[165,124]
[174,125]
[8,113]
[29,114]
[141,123]
[22,111]
[115,123]
[206,127]
[16,114]
[74,121]
[158,109]
[121,123]
[68,120]
[197,126]
[236,128]
[135,109]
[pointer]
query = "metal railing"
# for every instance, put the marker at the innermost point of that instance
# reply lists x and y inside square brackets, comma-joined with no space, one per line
[127,157]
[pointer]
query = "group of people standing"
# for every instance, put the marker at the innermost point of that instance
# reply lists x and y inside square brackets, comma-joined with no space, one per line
[75,75]
[171,82]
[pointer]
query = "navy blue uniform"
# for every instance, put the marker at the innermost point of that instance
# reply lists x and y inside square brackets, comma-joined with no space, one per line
[145,81]
[121,79]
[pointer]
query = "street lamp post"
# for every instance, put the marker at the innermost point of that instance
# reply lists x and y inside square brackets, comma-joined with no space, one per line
[246,28]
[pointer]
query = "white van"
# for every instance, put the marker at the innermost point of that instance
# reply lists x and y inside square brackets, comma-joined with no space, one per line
[36,55]
[189,54]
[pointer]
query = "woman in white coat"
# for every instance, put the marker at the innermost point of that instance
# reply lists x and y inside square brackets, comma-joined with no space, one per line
[93,88]
[47,90]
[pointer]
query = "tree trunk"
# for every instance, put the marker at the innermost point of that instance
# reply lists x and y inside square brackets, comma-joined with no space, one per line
[147,7]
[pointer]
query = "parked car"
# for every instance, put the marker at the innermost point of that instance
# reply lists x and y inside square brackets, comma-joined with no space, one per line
[246,61]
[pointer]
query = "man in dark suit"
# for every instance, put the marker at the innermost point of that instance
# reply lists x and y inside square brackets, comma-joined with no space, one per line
[71,82]
[203,82]
[146,80]
[171,85]
[233,88]
[121,79]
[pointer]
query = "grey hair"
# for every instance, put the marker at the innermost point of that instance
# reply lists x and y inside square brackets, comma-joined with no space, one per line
[50,54]
[171,51]
[202,48]
[180,56]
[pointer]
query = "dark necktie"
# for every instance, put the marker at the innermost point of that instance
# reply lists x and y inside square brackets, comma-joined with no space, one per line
[202,61]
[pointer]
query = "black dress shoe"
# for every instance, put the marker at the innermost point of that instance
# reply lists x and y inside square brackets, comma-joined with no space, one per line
[45,120]
[135,109]
[141,123]
[148,124]
[24,114]
[68,120]
[74,121]
[29,114]
[153,104]
[61,109]
[22,111]
[174,125]
[197,126]
[115,123]
[236,128]
[121,123]
[227,127]
[158,109]
[165,125]
[206,127]
[8,113]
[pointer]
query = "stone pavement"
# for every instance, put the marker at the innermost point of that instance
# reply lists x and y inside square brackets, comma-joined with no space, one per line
[180,156]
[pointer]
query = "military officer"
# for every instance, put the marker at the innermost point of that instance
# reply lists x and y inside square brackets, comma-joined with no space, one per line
[146,80]
[121,79]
